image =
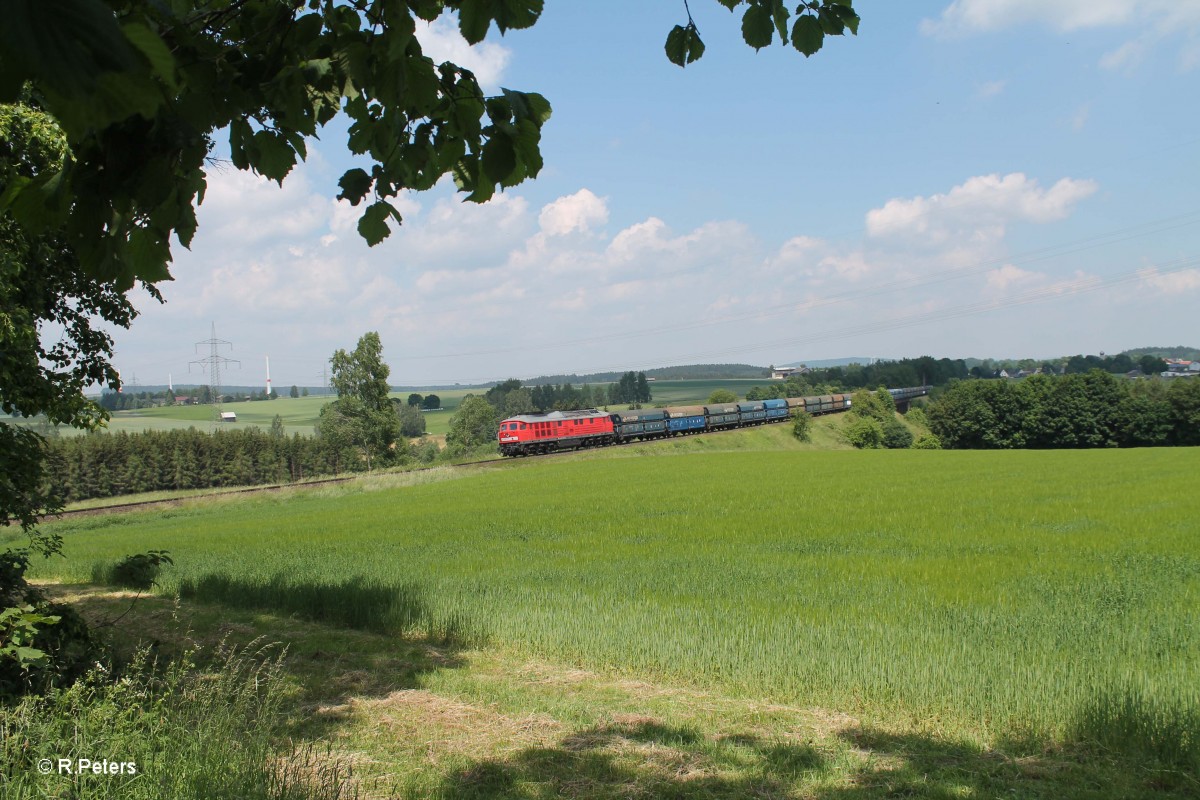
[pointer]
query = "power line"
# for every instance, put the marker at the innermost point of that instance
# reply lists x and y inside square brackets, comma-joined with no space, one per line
[214,361]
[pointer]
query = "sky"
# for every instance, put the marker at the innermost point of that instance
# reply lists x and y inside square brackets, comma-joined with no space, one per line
[977,178]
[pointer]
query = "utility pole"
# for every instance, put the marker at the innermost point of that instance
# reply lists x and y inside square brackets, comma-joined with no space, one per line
[214,361]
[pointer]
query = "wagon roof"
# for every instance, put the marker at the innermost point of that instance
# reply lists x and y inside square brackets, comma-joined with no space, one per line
[685,411]
[553,416]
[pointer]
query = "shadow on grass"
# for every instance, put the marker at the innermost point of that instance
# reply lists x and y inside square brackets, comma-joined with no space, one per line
[360,604]
[919,765]
[645,760]
[371,640]
[655,761]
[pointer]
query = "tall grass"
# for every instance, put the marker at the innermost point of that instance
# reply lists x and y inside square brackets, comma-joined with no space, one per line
[992,593]
[181,732]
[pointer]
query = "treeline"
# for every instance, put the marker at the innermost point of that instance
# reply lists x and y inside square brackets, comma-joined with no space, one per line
[923,371]
[111,464]
[1094,409]
[512,397]
[687,372]
[131,401]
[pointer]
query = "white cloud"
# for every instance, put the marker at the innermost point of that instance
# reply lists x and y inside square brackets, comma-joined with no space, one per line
[441,41]
[978,210]
[1150,21]
[1008,275]
[970,16]
[992,88]
[575,212]
[1080,117]
[1187,280]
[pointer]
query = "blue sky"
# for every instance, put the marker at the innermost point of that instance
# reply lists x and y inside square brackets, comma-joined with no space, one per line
[978,178]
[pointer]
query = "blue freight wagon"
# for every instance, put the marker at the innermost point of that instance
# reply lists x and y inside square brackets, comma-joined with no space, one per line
[685,419]
[776,409]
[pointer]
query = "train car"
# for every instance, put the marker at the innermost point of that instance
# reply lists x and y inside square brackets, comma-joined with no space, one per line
[821,404]
[776,409]
[559,430]
[569,430]
[908,394]
[723,415]
[752,412]
[639,424]
[685,419]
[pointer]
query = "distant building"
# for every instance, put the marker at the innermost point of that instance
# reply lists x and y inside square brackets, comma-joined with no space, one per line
[783,373]
[228,416]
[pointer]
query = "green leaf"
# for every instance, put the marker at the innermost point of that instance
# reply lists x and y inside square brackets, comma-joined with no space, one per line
[355,184]
[807,36]
[757,27]
[779,13]
[676,53]
[845,13]
[831,23]
[684,45]
[474,19]
[239,142]
[518,14]
[272,156]
[154,49]
[499,159]
[147,255]
[373,225]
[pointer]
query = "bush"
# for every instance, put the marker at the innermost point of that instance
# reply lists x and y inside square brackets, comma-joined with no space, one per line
[927,441]
[916,415]
[802,426]
[722,396]
[896,436]
[864,433]
[139,571]
[427,451]
[40,642]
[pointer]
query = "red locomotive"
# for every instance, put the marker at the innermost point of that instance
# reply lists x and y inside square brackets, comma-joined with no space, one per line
[558,430]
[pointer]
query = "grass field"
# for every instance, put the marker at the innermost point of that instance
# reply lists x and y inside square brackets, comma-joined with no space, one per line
[965,603]
[300,414]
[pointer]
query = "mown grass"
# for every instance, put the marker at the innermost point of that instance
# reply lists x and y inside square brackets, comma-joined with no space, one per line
[981,595]
[381,716]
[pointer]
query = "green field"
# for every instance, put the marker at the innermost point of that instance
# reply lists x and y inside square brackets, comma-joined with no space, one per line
[988,595]
[300,414]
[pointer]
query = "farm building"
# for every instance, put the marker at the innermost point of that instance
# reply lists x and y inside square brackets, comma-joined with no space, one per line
[228,416]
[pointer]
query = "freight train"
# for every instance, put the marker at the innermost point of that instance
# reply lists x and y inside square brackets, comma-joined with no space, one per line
[529,434]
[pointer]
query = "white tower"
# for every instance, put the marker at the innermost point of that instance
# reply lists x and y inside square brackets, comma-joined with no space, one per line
[268,376]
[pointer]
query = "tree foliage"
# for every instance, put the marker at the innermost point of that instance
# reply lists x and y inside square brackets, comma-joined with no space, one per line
[140,88]
[865,433]
[802,426]
[362,415]
[719,396]
[473,426]
[1089,410]
[43,287]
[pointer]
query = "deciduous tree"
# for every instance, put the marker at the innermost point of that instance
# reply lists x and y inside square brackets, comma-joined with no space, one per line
[473,425]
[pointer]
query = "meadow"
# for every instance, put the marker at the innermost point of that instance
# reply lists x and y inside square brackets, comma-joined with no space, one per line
[996,598]
[299,414]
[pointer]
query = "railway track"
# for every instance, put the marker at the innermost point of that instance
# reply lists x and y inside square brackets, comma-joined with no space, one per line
[168,502]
